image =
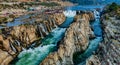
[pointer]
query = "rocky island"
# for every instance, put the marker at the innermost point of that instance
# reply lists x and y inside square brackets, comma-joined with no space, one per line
[59,32]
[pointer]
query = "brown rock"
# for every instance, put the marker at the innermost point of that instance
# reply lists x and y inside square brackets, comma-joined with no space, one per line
[5,58]
[26,34]
[59,18]
[76,40]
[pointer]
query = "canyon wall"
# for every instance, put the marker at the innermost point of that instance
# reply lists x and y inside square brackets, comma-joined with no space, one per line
[108,52]
[76,40]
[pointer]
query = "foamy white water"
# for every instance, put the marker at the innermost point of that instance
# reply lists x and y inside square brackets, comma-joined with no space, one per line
[69,13]
[96,14]
[34,56]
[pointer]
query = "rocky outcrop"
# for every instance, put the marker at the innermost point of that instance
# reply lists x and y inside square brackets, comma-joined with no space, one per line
[6,53]
[109,50]
[110,47]
[25,34]
[59,18]
[93,60]
[5,57]
[76,40]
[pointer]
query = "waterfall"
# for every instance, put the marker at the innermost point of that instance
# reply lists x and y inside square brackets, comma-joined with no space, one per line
[69,13]
[70,16]
[96,14]
[17,42]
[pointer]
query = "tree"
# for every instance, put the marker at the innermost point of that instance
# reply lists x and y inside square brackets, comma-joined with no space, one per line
[113,7]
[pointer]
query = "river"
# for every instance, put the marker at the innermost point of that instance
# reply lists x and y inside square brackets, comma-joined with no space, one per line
[34,56]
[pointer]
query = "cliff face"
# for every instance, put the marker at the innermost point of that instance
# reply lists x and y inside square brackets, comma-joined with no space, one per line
[76,40]
[14,39]
[109,50]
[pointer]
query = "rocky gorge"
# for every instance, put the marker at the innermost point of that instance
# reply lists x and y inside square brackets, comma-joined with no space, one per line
[76,40]
[18,41]
[108,51]
[14,39]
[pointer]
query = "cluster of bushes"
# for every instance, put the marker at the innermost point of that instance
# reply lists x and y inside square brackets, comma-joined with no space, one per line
[113,10]
[8,18]
[113,7]
[3,19]
[50,4]
[28,4]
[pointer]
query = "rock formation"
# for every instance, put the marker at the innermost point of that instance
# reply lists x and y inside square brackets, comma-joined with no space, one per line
[109,50]
[14,39]
[76,40]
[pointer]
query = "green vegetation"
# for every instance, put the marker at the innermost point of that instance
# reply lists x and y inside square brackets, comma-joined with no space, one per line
[113,7]
[3,19]
[0,31]
[107,17]
[113,10]
[12,16]
[50,4]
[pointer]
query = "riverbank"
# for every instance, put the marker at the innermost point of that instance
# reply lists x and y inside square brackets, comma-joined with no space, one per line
[108,52]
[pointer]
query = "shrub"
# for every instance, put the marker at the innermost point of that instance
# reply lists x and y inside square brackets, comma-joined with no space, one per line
[107,17]
[12,16]
[49,4]
[113,7]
